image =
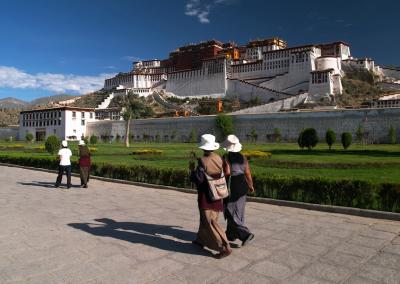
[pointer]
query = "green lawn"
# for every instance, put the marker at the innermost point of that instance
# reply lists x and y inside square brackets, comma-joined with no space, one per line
[377,163]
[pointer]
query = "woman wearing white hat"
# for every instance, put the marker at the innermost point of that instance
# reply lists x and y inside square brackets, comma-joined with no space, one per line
[210,233]
[237,167]
[64,155]
[84,163]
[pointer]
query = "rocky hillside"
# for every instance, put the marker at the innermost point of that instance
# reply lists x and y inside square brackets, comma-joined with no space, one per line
[9,117]
[13,103]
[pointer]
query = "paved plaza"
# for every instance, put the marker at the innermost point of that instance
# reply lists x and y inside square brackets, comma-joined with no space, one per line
[114,233]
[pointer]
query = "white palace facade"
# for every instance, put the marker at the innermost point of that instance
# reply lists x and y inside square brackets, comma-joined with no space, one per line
[267,69]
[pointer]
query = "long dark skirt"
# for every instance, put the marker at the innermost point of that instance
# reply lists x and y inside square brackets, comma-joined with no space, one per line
[235,210]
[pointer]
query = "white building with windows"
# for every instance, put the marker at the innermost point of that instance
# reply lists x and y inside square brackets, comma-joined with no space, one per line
[67,123]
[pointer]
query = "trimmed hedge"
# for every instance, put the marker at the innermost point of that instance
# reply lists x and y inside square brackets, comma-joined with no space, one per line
[350,193]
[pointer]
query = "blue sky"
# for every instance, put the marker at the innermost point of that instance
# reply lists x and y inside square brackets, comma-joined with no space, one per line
[69,46]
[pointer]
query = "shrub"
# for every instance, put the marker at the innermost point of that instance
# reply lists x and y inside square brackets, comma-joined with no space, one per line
[277,135]
[346,139]
[173,134]
[300,140]
[225,124]
[330,138]
[147,152]
[309,138]
[253,135]
[86,140]
[256,154]
[15,147]
[360,134]
[193,136]
[92,149]
[29,137]
[93,139]
[350,193]
[392,135]
[118,138]
[52,144]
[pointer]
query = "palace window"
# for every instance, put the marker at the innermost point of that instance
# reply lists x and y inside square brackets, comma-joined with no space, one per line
[73,115]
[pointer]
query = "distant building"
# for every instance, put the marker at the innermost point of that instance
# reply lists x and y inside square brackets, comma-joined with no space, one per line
[67,123]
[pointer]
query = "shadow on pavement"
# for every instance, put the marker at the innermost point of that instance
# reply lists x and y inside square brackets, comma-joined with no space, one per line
[46,184]
[154,235]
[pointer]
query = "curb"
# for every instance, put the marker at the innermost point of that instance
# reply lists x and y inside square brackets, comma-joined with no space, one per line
[295,204]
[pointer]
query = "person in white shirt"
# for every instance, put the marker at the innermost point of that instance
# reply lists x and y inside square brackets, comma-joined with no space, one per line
[64,155]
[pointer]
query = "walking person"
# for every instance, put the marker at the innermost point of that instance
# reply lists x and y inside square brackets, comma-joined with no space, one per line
[210,233]
[237,167]
[84,163]
[64,155]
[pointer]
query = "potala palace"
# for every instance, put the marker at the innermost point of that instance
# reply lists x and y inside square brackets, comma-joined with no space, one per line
[267,69]
[281,78]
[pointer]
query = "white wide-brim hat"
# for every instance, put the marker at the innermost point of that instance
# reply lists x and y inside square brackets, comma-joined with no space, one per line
[81,143]
[208,143]
[64,143]
[232,144]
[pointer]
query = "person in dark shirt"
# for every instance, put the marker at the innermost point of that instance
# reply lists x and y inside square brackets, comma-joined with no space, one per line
[236,167]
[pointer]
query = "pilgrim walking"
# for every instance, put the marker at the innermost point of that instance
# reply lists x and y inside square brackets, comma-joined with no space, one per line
[64,154]
[210,233]
[84,163]
[237,168]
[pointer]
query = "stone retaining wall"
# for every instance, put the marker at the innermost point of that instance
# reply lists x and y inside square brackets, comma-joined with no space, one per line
[375,122]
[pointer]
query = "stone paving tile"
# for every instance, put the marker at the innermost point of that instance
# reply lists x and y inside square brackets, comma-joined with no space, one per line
[340,258]
[271,269]
[367,242]
[200,274]
[246,278]
[392,249]
[326,271]
[356,250]
[379,274]
[360,280]
[387,260]
[293,260]
[301,279]
[116,233]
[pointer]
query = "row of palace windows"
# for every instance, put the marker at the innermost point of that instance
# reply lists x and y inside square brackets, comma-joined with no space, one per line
[277,54]
[41,123]
[83,115]
[318,78]
[299,57]
[276,64]
[41,115]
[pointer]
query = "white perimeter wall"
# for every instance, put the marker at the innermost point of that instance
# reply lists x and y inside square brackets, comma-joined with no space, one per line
[193,83]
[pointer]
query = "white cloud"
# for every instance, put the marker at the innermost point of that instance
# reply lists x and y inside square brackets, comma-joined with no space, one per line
[194,8]
[11,77]
[201,8]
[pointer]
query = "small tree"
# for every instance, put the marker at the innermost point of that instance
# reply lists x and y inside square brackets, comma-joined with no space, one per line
[173,135]
[277,134]
[360,134]
[346,139]
[93,139]
[225,124]
[392,135]
[52,144]
[253,135]
[300,139]
[330,138]
[29,137]
[193,136]
[135,108]
[86,140]
[309,138]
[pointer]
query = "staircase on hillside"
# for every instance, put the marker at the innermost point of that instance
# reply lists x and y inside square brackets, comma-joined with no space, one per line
[104,104]
[160,99]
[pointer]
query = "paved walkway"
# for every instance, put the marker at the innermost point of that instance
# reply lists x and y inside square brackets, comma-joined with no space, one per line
[112,233]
